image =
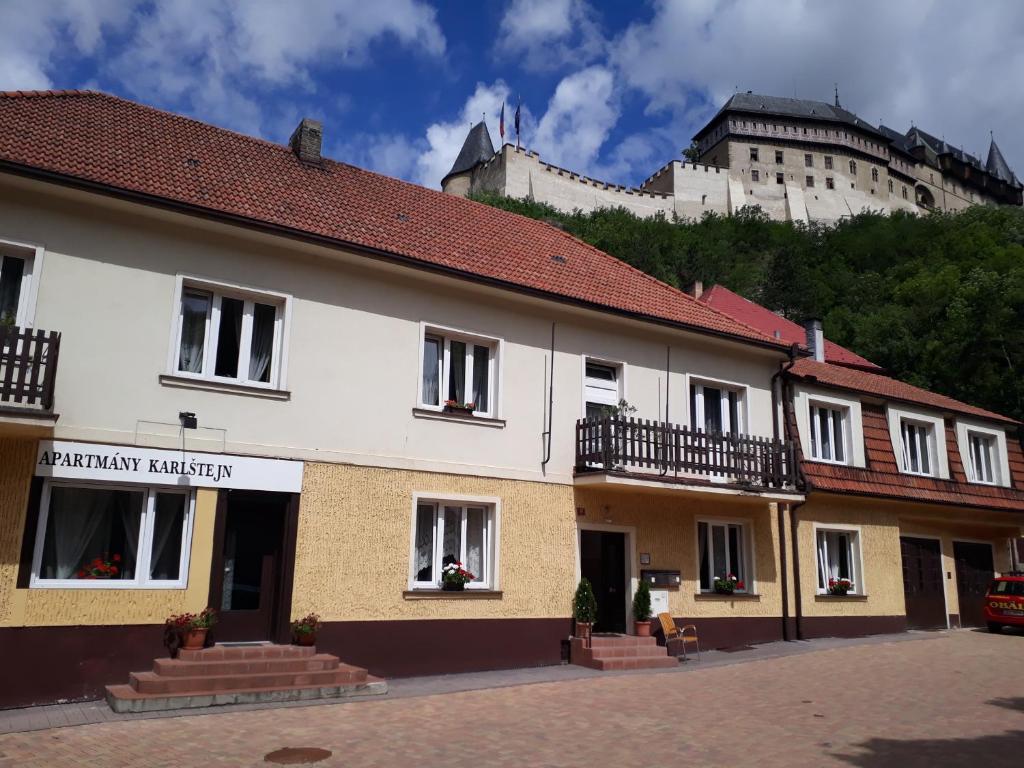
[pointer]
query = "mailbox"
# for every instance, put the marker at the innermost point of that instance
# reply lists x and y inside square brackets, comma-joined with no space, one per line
[662,579]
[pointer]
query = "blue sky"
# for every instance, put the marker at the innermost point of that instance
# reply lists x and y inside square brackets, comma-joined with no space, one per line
[612,89]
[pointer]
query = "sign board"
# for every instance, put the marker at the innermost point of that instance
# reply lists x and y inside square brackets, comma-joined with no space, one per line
[67,460]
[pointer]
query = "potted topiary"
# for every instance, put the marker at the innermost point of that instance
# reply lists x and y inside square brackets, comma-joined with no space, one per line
[584,609]
[191,628]
[304,630]
[642,609]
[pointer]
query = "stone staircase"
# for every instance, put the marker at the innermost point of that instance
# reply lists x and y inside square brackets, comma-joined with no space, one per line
[608,652]
[241,674]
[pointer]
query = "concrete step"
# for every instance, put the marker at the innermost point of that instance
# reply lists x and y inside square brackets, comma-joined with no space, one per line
[124,698]
[652,662]
[151,682]
[603,641]
[236,652]
[181,668]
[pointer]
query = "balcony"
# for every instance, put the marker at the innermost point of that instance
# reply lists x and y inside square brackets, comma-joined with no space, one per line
[28,371]
[672,453]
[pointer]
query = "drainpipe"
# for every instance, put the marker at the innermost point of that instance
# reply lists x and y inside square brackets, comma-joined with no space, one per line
[546,436]
[775,395]
[797,597]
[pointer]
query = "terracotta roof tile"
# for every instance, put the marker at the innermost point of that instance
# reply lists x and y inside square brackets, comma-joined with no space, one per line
[129,147]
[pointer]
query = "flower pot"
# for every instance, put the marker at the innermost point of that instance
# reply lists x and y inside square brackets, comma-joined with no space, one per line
[453,586]
[304,638]
[194,639]
[583,629]
[721,591]
[642,628]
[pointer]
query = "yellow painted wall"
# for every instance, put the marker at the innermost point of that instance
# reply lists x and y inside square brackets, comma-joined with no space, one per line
[353,548]
[60,607]
[666,528]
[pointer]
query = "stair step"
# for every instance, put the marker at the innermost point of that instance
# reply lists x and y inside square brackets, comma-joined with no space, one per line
[124,698]
[653,662]
[237,652]
[182,668]
[629,652]
[601,641]
[151,682]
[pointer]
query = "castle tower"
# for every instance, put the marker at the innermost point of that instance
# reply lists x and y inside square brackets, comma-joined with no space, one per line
[475,150]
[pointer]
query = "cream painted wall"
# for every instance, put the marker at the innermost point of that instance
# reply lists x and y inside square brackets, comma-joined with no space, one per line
[354,341]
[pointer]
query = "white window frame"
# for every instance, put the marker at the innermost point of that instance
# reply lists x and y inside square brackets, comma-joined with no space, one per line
[470,339]
[746,536]
[33,257]
[965,429]
[620,382]
[814,427]
[920,436]
[856,557]
[492,537]
[936,426]
[804,397]
[743,406]
[142,562]
[282,303]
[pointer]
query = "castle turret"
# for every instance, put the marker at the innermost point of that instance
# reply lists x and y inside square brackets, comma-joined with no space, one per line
[996,164]
[475,150]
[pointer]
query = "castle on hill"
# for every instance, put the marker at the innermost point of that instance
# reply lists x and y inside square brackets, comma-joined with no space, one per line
[799,160]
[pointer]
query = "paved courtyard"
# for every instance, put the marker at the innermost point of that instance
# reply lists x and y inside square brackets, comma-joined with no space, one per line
[938,699]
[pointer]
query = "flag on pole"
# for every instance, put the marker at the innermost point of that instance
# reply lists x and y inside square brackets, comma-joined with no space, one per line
[501,122]
[518,107]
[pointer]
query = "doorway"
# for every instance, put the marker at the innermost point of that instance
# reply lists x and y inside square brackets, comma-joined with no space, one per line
[603,563]
[974,571]
[923,587]
[253,563]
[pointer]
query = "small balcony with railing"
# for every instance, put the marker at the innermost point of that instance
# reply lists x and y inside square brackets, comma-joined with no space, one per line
[28,374]
[619,449]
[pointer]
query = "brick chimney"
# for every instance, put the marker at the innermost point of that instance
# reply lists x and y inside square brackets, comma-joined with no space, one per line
[815,339]
[305,140]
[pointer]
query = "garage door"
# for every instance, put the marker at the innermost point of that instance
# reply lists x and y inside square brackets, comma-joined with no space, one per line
[922,583]
[974,572]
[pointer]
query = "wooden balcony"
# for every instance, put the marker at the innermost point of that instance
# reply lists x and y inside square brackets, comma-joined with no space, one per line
[28,370]
[676,453]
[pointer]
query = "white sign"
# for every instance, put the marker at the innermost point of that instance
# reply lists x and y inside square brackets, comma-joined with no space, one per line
[152,466]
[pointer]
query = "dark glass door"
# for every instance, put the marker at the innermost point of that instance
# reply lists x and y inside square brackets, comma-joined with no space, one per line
[974,572]
[922,583]
[603,563]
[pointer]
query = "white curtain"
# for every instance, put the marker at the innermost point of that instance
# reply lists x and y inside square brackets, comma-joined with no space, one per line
[431,371]
[481,373]
[74,519]
[170,517]
[262,342]
[457,372]
[194,308]
[451,546]
[424,566]
[475,542]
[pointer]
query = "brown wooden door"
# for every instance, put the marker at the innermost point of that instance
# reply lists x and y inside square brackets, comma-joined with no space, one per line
[922,583]
[974,572]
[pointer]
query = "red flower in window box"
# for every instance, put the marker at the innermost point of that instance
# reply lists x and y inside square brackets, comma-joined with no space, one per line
[839,586]
[454,406]
[454,577]
[100,568]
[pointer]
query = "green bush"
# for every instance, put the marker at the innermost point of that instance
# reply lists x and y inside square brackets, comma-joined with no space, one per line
[642,602]
[584,605]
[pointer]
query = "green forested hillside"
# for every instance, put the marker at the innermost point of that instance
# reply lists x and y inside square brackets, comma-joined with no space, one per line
[937,300]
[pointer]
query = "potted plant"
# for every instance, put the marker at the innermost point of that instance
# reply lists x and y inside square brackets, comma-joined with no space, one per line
[461,409]
[454,577]
[584,609]
[726,585]
[642,609]
[839,586]
[191,628]
[106,567]
[304,630]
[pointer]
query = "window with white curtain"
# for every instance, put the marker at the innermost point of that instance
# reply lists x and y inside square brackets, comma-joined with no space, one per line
[449,532]
[838,558]
[716,408]
[16,267]
[458,370]
[829,429]
[983,457]
[234,338]
[112,536]
[918,444]
[722,550]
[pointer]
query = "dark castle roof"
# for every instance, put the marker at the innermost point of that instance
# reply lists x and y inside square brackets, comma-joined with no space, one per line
[475,150]
[785,107]
[997,166]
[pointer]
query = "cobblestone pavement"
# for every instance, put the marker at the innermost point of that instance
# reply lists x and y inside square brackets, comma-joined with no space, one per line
[950,699]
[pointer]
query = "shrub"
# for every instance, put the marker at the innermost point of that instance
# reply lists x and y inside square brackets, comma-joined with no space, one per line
[642,602]
[584,605]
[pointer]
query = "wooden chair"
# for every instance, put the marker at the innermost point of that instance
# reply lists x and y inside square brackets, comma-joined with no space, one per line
[685,634]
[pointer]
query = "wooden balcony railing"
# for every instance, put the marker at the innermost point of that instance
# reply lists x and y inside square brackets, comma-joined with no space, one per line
[28,367]
[624,443]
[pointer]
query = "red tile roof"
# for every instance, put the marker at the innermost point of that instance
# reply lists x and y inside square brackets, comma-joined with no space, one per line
[762,318]
[100,139]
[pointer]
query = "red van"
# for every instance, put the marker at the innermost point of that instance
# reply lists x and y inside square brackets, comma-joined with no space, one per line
[1004,603]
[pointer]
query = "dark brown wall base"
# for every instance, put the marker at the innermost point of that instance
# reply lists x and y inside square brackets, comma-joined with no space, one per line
[954,620]
[41,665]
[728,632]
[444,646]
[852,626]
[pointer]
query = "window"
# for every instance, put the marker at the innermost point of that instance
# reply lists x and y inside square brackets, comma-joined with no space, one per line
[918,447]
[722,550]
[16,264]
[838,558]
[874,174]
[830,183]
[459,369]
[828,430]
[779,178]
[600,388]
[982,459]
[853,167]
[229,337]
[108,536]
[904,191]
[450,531]
[716,408]
[809,181]
[755,175]
[890,186]
[753,154]
[808,161]
[778,157]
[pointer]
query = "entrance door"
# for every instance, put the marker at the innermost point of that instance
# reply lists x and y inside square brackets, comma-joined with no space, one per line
[922,583]
[603,563]
[974,572]
[247,584]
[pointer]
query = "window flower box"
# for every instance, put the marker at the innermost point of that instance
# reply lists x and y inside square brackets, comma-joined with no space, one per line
[727,585]
[840,587]
[454,577]
[459,409]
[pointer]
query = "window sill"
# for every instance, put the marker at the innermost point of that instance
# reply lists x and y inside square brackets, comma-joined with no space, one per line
[715,597]
[440,594]
[187,382]
[104,584]
[841,598]
[483,421]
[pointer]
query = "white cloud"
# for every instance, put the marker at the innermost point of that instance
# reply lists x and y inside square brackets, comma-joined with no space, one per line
[546,34]
[392,154]
[949,68]
[580,114]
